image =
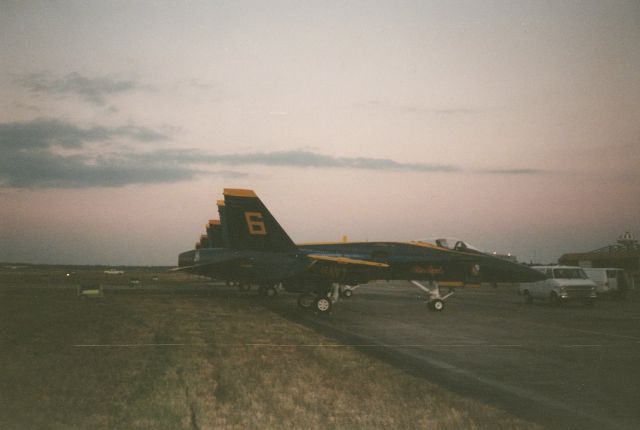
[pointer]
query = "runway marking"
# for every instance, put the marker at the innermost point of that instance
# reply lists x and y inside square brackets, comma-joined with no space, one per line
[136,345]
[342,345]
[581,346]
[293,345]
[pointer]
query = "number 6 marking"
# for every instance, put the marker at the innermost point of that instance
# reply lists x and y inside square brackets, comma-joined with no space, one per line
[255,223]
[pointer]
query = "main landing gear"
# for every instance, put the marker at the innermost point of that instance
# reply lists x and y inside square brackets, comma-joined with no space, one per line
[436,300]
[320,301]
[346,291]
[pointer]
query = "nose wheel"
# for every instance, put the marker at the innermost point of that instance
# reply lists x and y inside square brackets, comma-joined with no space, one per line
[435,305]
[436,300]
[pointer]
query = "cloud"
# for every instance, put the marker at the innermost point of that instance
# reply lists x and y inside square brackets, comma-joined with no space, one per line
[29,157]
[47,170]
[43,133]
[295,158]
[92,90]
[51,153]
[312,159]
[514,171]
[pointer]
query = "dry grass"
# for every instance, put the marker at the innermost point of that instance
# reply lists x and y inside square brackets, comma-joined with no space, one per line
[221,378]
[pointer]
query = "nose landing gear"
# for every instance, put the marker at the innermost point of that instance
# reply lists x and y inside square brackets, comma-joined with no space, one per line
[436,300]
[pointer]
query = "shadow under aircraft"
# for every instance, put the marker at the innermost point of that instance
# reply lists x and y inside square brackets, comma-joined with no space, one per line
[248,245]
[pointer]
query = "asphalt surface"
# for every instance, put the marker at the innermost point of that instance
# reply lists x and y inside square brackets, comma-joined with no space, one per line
[569,367]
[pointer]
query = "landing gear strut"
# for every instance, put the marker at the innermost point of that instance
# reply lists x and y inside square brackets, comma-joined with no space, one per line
[321,300]
[436,300]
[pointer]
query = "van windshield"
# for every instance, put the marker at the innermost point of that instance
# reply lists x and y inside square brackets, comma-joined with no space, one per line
[569,274]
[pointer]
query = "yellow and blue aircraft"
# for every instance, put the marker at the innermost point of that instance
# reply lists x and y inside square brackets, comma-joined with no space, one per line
[248,245]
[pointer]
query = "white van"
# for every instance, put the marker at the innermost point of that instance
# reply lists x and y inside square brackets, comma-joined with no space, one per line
[609,281]
[563,283]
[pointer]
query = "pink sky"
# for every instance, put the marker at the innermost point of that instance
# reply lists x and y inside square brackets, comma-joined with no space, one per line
[515,126]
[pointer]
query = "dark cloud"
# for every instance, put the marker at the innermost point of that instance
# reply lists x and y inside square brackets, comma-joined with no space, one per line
[30,156]
[42,169]
[43,133]
[92,90]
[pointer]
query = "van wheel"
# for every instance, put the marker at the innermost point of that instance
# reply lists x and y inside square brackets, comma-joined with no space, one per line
[554,299]
[527,297]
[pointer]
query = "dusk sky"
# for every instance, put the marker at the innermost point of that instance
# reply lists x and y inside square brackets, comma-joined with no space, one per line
[512,125]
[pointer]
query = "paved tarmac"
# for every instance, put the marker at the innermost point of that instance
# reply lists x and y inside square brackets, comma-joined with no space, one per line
[569,367]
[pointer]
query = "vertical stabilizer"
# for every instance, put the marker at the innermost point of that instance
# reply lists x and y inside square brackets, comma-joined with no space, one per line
[214,233]
[225,227]
[250,225]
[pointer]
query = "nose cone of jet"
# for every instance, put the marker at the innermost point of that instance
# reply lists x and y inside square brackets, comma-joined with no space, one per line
[498,270]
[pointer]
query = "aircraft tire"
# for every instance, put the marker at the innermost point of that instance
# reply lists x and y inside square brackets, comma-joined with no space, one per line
[436,305]
[306,301]
[322,305]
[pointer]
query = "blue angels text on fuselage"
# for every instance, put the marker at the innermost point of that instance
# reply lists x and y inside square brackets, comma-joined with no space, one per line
[248,245]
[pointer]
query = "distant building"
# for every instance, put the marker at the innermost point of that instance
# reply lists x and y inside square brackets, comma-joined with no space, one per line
[625,254]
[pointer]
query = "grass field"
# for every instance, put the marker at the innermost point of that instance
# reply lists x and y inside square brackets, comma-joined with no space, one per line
[194,358]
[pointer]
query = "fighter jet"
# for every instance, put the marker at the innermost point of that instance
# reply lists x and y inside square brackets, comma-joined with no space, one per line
[248,245]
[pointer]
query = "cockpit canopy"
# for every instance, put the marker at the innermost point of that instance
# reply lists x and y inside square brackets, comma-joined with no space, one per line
[450,243]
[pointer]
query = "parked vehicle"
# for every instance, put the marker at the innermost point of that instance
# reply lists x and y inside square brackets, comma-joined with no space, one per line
[563,283]
[609,281]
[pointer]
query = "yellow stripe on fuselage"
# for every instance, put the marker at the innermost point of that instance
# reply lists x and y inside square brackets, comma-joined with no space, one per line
[419,244]
[450,284]
[345,260]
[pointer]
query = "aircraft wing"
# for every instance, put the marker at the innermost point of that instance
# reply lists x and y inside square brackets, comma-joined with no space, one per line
[346,260]
[208,264]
